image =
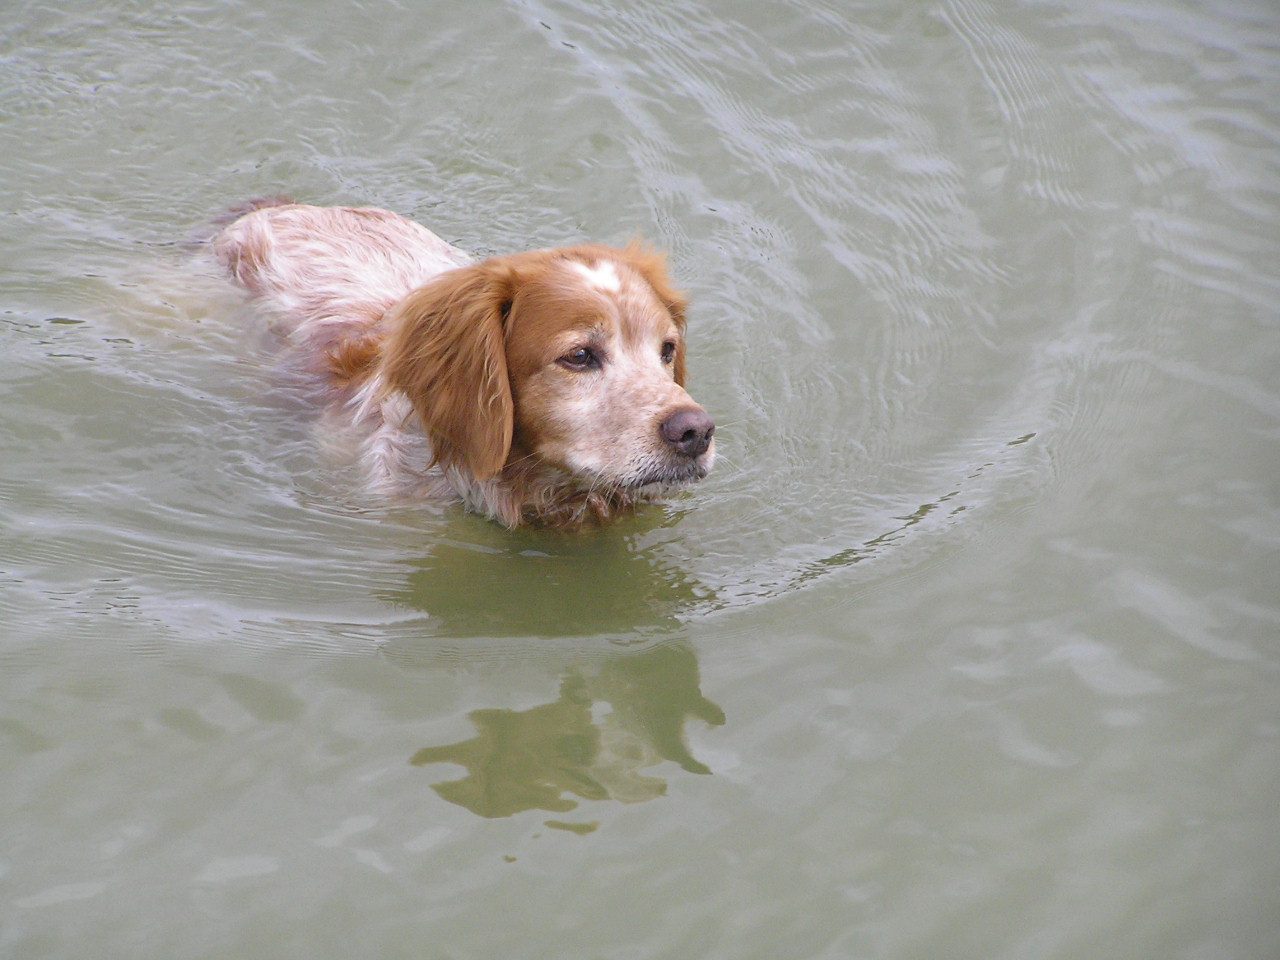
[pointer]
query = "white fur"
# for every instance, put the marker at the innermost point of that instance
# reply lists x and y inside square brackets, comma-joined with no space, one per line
[603,276]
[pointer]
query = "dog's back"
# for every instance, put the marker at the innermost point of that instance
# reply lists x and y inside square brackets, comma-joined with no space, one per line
[318,266]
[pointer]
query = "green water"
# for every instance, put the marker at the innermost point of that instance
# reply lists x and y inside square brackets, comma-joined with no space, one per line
[969,647]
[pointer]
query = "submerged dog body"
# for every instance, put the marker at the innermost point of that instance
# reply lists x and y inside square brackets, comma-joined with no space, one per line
[542,387]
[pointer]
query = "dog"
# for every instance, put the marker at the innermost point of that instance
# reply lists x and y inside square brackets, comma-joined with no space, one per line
[544,388]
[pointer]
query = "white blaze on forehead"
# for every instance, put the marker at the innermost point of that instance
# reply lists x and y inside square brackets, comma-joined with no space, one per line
[602,276]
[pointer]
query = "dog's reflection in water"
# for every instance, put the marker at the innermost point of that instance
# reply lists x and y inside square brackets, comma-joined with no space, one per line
[591,743]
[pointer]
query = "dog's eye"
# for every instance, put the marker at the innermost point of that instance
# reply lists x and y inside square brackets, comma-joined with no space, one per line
[580,358]
[669,351]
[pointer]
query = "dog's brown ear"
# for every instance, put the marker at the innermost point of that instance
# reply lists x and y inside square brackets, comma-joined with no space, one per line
[652,266]
[446,352]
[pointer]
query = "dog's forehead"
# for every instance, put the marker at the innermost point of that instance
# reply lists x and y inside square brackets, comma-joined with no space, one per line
[601,275]
[620,293]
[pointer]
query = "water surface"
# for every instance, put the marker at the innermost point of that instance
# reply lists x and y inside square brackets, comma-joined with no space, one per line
[968,647]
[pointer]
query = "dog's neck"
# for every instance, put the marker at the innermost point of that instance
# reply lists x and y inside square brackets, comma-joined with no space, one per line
[526,491]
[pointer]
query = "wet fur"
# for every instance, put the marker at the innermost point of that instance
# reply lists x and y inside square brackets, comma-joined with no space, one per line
[449,376]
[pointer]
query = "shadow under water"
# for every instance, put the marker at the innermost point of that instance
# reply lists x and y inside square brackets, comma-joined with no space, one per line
[543,584]
[623,716]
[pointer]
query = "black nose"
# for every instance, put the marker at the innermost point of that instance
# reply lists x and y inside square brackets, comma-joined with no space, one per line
[689,431]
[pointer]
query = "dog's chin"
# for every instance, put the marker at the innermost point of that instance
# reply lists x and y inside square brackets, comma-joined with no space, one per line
[666,478]
[643,478]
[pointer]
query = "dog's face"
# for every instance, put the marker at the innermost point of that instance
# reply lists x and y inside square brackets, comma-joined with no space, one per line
[572,359]
[595,355]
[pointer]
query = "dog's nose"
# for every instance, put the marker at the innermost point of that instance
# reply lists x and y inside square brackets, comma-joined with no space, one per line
[689,431]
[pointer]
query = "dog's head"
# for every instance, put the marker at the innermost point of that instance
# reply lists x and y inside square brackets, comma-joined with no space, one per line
[572,359]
